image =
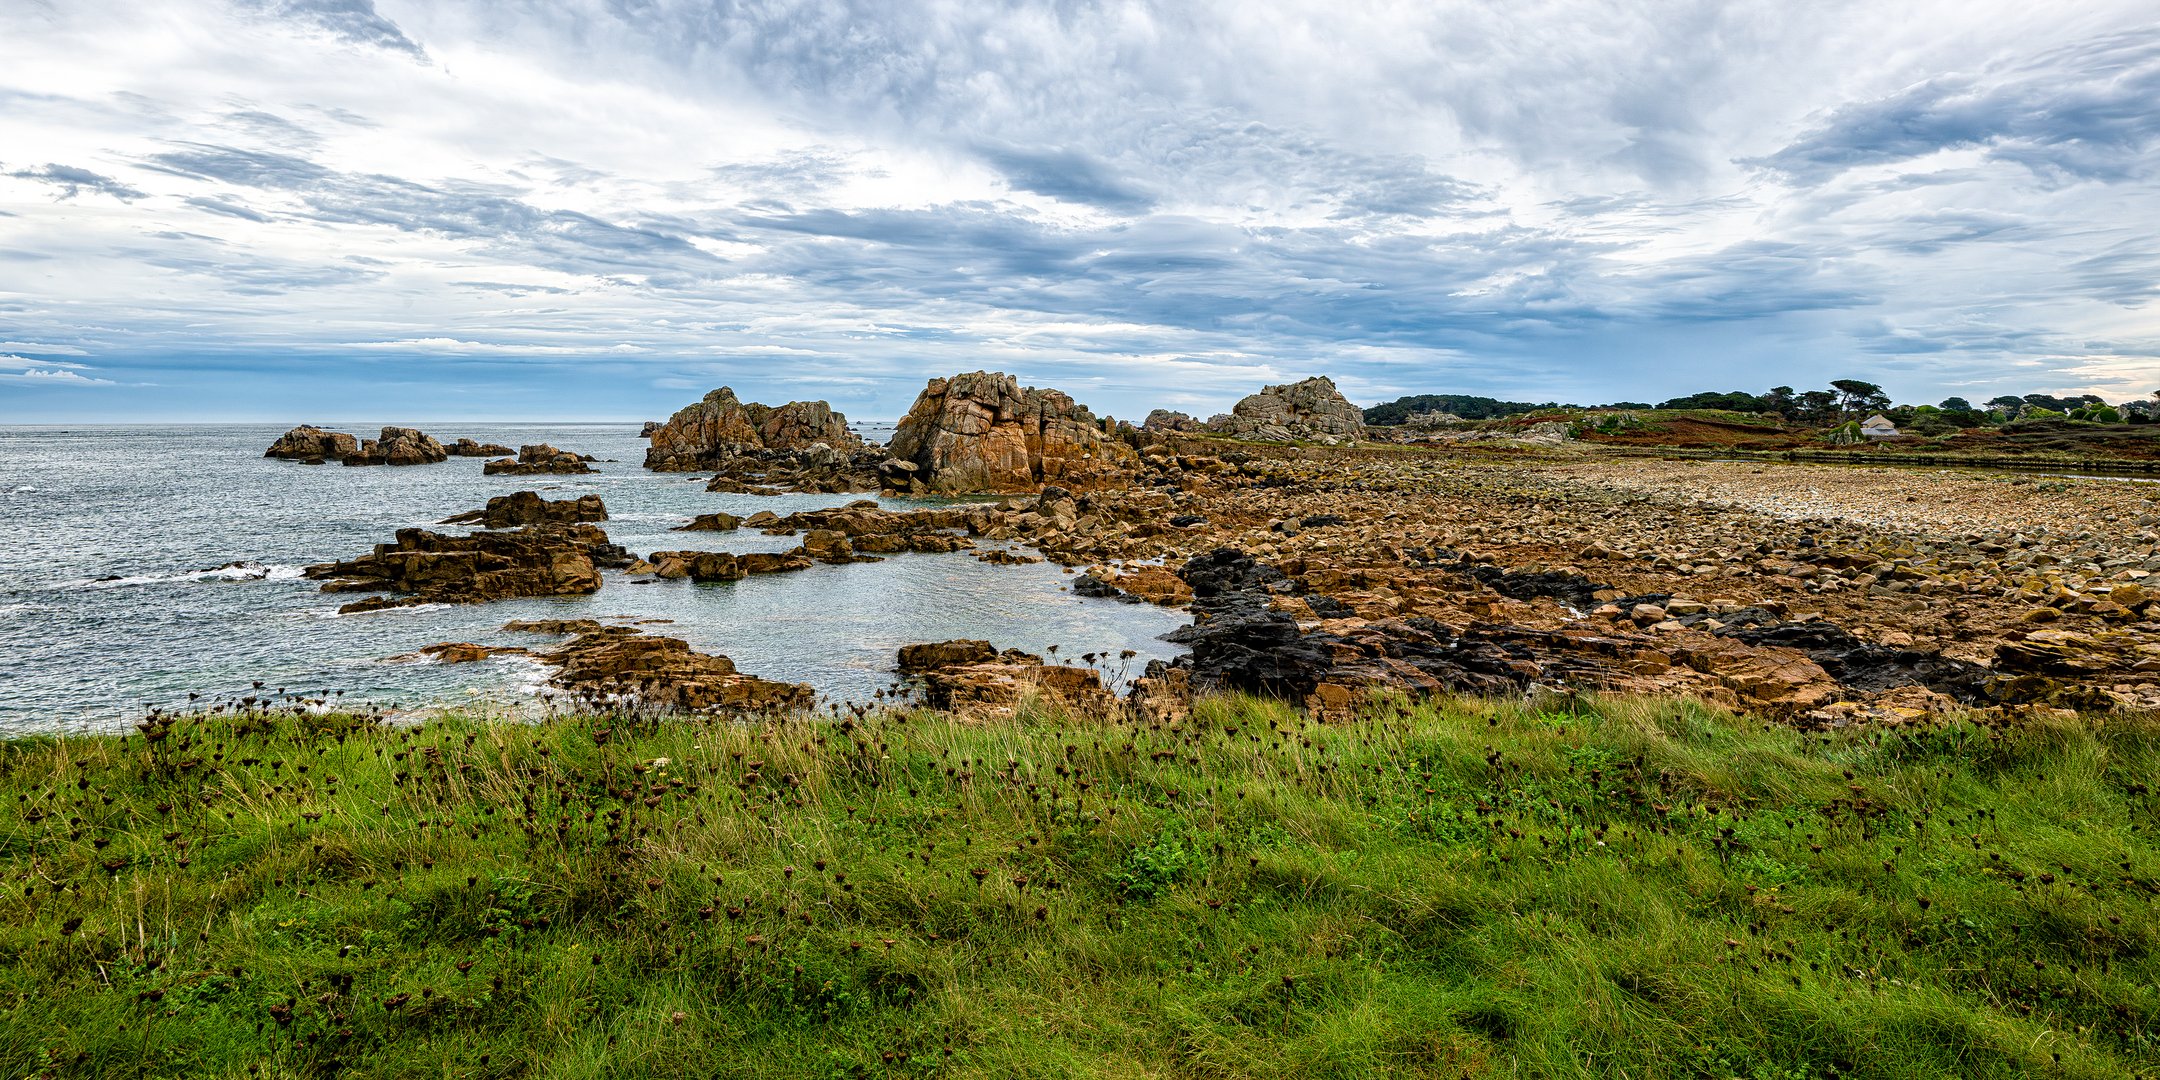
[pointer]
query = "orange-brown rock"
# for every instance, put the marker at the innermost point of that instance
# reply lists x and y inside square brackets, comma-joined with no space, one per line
[313,444]
[457,652]
[973,677]
[540,459]
[528,508]
[714,522]
[982,431]
[398,446]
[619,665]
[722,426]
[434,568]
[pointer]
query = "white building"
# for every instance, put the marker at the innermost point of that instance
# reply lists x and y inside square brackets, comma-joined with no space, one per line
[1878,426]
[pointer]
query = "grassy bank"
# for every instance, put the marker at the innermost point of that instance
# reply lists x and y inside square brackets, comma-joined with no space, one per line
[1610,888]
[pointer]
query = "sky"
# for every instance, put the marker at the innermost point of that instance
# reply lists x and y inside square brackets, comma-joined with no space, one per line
[287,210]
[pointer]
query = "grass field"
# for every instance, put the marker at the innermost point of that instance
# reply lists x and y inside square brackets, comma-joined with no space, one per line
[1595,888]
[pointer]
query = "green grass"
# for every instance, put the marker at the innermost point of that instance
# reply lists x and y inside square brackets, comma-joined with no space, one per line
[1601,888]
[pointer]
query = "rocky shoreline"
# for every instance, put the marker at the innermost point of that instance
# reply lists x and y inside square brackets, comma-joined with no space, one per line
[1321,568]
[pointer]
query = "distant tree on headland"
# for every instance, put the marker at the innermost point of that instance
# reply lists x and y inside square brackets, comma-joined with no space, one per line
[1847,400]
[1467,406]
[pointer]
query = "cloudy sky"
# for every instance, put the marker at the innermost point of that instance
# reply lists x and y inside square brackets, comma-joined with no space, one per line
[395,209]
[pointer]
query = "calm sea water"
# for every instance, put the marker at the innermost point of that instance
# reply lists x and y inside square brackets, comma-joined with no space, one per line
[110,600]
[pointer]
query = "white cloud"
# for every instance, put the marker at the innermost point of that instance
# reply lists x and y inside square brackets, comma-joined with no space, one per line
[1168,200]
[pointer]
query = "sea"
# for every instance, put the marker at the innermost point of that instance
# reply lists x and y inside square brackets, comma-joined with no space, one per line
[160,567]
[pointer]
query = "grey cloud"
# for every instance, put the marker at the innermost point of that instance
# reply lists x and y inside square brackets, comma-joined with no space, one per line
[2084,112]
[226,208]
[353,21]
[231,165]
[73,181]
[1068,175]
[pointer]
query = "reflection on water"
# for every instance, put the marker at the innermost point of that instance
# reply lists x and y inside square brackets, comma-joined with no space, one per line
[145,563]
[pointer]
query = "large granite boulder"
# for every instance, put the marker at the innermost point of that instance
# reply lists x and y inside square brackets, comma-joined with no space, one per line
[1166,420]
[528,508]
[313,444]
[435,568]
[983,431]
[1310,410]
[722,426]
[399,446]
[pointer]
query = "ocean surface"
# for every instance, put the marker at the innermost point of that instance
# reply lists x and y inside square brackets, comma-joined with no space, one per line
[117,593]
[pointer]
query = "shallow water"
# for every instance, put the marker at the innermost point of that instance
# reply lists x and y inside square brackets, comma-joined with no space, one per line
[110,599]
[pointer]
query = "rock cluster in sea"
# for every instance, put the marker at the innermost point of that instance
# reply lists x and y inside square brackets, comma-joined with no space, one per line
[424,567]
[529,508]
[702,434]
[394,446]
[540,459]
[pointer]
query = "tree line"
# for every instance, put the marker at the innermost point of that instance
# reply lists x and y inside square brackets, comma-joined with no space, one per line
[1844,401]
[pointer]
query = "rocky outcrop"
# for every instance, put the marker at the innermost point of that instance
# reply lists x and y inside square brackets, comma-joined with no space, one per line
[714,522]
[469,448]
[1158,585]
[1311,410]
[848,533]
[982,431]
[820,468]
[1164,420]
[974,678]
[398,446]
[528,508]
[313,445]
[721,427]
[618,665]
[433,568]
[711,566]
[540,460]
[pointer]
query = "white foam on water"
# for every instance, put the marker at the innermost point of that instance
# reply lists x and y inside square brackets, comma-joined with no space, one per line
[333,613]
[239,571]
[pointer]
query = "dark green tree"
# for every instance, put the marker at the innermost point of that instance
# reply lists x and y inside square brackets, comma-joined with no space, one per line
[1858,396]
